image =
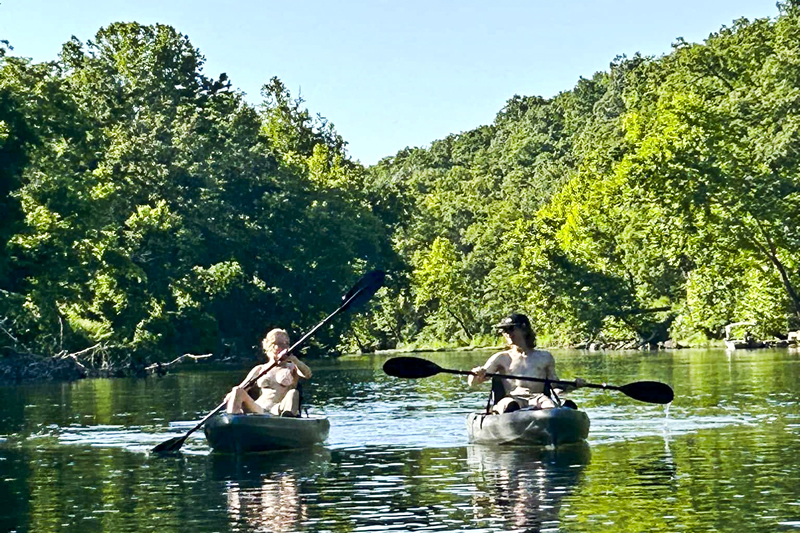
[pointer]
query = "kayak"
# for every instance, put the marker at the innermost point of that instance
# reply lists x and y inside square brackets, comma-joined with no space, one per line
[533,427]
[258,433]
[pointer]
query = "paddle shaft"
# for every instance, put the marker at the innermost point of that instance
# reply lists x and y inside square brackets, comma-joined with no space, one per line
[573,384]
[414,367]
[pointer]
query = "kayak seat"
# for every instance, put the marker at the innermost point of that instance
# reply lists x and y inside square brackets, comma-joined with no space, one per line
[497,393]
[300,403]
[254,391]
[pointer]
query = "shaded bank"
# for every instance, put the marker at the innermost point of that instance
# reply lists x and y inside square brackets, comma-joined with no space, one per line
[20,368]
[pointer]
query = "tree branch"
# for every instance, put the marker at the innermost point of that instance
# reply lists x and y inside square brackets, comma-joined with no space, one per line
[158,366]
[639,311]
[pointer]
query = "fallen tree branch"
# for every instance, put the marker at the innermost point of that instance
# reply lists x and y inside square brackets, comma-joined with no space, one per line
[10,335]
[75,355]
[157,367]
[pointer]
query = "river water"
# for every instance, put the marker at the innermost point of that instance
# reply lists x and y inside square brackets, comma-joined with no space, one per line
[722,457]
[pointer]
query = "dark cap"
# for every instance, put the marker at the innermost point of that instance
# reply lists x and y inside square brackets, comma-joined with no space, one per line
[514,320]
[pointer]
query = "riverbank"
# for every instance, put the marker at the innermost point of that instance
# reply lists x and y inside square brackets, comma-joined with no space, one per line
[596,346]
[19,368]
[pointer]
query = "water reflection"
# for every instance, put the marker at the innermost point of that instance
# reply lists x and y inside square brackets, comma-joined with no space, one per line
[274,506]
[525,486]
[263,491]
[724,459]
[652,474]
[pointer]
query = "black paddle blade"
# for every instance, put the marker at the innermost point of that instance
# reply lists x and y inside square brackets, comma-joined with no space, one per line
[172,445]
[411,367]
[364,289]
[649,391]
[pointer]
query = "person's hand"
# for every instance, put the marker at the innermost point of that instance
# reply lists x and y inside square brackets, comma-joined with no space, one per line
[232,393]
[580,382]
[283,355]
[478,376]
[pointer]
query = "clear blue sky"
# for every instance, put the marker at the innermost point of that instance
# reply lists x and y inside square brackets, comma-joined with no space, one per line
[391,74]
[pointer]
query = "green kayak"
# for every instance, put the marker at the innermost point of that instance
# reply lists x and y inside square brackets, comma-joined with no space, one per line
[532,427]
[258,433]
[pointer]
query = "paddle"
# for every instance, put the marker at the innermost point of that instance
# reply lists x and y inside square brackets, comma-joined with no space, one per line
[414,367]
[361,292]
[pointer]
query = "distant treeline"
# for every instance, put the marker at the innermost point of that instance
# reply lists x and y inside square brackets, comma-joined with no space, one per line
[149,211]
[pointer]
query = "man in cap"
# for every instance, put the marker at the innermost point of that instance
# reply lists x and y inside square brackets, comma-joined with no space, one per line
[520,359]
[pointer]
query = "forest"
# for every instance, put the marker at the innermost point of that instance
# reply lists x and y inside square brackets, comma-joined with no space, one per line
[149,211]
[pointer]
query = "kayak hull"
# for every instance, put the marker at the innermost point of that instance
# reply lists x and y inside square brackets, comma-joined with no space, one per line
[530,427]
[259,433]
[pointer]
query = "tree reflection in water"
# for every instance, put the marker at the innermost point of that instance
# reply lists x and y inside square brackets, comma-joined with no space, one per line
[525,486]
[263,490]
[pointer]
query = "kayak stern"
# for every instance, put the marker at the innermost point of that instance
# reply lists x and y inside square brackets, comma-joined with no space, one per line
[229,433]
[531,427]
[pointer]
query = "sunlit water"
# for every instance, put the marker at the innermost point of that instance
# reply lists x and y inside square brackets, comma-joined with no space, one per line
[722,457]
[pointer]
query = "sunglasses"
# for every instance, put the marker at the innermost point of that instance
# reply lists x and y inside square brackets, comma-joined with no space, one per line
[507,329]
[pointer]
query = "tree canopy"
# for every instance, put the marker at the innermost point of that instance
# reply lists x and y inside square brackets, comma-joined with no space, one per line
[148,210]
[157,213]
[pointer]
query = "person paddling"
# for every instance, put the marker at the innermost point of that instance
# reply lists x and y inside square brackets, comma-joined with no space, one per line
[278,387]
[520,359]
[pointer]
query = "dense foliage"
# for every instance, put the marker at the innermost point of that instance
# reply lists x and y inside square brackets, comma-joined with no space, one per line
[148,210]
[657,199]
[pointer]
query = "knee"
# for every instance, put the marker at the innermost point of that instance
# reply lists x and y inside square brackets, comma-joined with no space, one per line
[235,393]
[506,405]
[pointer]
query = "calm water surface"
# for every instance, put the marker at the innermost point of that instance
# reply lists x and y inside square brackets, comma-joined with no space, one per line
[722,457]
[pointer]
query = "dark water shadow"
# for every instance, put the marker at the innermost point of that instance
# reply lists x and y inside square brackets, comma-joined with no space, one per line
[255,466]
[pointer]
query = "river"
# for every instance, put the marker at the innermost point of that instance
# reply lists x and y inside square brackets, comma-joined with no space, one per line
[722,457]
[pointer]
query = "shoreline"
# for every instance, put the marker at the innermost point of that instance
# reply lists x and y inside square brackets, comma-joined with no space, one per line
[20,369]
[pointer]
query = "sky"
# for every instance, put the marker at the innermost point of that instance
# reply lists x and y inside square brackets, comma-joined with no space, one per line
[393,74]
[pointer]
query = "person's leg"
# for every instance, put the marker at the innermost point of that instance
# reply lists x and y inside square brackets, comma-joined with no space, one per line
[508,404]
[540,401]
[290,405]
[239,401]
[233,402]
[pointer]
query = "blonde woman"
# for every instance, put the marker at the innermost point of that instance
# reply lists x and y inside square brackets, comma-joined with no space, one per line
[279,395]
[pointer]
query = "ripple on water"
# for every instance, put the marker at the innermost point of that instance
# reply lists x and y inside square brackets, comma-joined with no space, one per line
[132,438]
[422,426]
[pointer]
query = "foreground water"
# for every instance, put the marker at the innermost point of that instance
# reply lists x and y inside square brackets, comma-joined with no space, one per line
[722,457]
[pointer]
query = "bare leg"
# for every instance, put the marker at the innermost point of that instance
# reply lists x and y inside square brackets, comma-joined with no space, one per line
[509,404]
[542,402]
[290,403]
[239,401]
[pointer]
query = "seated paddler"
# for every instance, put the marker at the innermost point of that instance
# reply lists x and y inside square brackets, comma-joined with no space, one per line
[278,394]
[521,358]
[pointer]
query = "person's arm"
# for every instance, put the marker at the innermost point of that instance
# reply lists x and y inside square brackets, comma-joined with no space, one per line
[253,373]
[551,374]
[302,369]
[495,364]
